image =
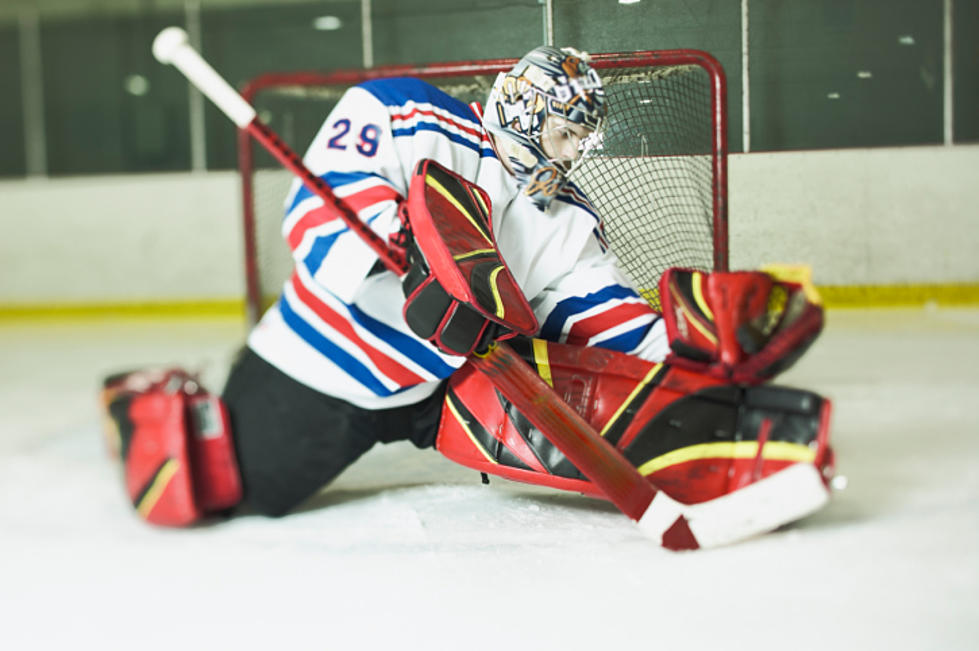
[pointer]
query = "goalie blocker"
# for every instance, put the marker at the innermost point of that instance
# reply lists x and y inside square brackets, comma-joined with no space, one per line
[174,441]
[459,293]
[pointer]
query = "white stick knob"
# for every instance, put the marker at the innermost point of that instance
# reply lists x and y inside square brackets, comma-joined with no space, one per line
[172,46]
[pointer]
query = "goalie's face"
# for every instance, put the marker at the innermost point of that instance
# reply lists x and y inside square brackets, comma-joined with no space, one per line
[565,142]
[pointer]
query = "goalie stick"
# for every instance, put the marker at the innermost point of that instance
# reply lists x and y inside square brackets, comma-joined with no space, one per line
[757,508]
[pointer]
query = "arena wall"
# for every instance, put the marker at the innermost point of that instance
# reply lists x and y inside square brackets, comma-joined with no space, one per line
[865,219]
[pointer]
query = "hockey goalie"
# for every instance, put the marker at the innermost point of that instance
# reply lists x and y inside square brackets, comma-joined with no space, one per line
[500,245]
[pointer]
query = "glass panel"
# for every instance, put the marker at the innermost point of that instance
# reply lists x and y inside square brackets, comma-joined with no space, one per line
[845,73]
[608,26]
[115,109]
[425,31]
[965,67]
[837,73]
[244,42]
[12,155]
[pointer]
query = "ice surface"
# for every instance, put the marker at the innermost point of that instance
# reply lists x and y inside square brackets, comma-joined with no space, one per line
[406,550]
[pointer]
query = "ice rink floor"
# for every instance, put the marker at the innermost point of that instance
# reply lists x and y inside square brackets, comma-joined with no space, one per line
[408,551]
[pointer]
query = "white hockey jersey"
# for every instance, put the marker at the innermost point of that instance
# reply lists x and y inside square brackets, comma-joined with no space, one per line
[338,326]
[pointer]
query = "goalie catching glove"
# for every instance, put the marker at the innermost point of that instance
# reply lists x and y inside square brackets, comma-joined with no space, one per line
[743,326]
[459,293]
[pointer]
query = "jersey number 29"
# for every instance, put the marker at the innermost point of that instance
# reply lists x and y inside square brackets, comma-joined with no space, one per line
[366,142]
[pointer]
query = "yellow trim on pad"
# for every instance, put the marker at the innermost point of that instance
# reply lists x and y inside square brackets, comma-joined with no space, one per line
[773,450]
[500,308]
[625,403]
[160,483]
[465,428]
[448,197]
[474,252]
[479,199]
[543,361]
[698,296]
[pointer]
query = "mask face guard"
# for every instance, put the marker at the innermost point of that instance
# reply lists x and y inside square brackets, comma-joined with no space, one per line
[549,174]
[541,174]
[584,149]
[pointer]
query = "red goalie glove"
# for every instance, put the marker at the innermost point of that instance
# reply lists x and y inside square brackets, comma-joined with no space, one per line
[744,326]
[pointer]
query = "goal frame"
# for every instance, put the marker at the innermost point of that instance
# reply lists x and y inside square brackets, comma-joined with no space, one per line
[600,61]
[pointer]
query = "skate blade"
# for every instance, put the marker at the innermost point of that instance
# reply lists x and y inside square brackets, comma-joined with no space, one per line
[767,504]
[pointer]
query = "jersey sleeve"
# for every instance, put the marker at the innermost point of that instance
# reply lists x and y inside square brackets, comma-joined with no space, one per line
[354,153]
[595,304]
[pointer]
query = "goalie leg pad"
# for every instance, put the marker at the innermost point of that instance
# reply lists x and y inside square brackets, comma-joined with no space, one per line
[479,428]
[692,435]
[723,438]
[174,441]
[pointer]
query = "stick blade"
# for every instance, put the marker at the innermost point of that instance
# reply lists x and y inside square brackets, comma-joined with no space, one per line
[767,504]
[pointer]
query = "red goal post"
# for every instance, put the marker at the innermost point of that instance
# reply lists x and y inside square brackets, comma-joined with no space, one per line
[659,180]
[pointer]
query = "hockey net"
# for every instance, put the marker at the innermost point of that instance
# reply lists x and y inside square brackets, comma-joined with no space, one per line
[659,180]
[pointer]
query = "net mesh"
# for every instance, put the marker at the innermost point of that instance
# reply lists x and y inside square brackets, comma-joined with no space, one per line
[652,179]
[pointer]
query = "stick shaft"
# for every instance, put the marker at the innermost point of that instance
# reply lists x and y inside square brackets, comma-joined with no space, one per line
[172,46]
[291,160]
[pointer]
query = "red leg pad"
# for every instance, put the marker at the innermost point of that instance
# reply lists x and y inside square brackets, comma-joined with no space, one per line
[175,443]
[157,466]
[693,435]
[216,475]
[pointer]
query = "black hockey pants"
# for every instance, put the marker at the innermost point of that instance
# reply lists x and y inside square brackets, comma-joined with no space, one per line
[292,440]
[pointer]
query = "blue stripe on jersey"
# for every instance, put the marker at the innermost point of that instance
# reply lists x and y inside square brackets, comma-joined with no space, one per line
[573,195]
[578,203]
[408,346]
[322,245]
[626,341]
[334,353]
[399,90]
[454,137]
[334,180]
[317,252]
[576,304]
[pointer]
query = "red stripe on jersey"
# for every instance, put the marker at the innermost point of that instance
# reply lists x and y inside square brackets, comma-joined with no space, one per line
[439,117]
[370,196]
[315,217]
[323,214]
[389,367]
[582,331]
[477,108]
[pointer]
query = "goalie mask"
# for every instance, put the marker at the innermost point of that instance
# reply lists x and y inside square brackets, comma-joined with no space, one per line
[546,114]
